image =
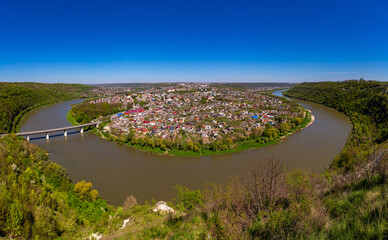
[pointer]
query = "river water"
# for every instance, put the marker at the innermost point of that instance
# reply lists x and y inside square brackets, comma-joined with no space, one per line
[117,171]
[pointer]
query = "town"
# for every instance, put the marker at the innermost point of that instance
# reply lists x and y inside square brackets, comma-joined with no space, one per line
[188,116]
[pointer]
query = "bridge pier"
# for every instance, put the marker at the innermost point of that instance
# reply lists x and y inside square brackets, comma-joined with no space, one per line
[82,130]
[65,133]
[47,136]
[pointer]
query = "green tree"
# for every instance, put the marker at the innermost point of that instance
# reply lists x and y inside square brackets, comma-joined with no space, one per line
[270,133]
[297,121]
[284,127]
[15,219]
[45,225]
[190,145]
[84,189]
[229,142]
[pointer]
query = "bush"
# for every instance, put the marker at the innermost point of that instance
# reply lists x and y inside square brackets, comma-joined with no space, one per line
[130,201]
[188,199]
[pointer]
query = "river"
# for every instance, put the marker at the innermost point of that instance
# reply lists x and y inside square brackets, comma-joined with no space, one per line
[117,171]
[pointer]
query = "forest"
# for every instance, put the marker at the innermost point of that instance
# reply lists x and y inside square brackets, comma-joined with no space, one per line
[19,98]
[347,201]
[85,112]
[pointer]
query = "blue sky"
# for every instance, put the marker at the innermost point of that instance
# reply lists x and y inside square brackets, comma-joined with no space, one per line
[218,41]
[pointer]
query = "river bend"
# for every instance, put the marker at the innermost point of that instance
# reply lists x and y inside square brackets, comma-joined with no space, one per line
[118,171]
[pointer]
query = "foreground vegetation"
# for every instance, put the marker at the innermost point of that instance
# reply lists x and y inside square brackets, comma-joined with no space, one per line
[37,200]
[19,98]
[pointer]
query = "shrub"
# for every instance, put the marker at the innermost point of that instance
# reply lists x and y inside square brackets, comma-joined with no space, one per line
[188,199]
[129,202]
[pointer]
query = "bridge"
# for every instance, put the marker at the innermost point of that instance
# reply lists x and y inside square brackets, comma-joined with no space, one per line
[48,131]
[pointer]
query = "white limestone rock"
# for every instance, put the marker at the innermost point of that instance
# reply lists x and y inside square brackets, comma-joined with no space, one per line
[96,236]
[162,208]
[125,223]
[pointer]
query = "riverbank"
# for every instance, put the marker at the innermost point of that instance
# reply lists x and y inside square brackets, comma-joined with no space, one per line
[240,146]
[312,119]
[70,119]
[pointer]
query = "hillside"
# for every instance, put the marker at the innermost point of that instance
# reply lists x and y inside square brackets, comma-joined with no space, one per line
[364,102]
[38,201]
[18,98]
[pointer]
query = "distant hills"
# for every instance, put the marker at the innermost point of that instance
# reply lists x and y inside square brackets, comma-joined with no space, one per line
[226,84]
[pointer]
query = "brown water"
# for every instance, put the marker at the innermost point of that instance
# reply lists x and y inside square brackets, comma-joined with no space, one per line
[118,171]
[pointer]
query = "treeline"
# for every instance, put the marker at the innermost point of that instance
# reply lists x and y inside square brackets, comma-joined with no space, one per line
[37,199]
[255,85]
[86,112]
[18,98]
[364,102]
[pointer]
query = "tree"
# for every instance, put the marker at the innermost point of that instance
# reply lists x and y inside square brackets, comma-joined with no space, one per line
[15,219]
[196,148]
[284,127]
[84,189]
[229,142]
[190,145]
[270,133]
[297,120]
[45,224]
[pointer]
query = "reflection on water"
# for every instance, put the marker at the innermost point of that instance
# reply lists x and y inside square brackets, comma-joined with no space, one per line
[118,171]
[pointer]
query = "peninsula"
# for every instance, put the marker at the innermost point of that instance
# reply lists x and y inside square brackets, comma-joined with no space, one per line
[192,119]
